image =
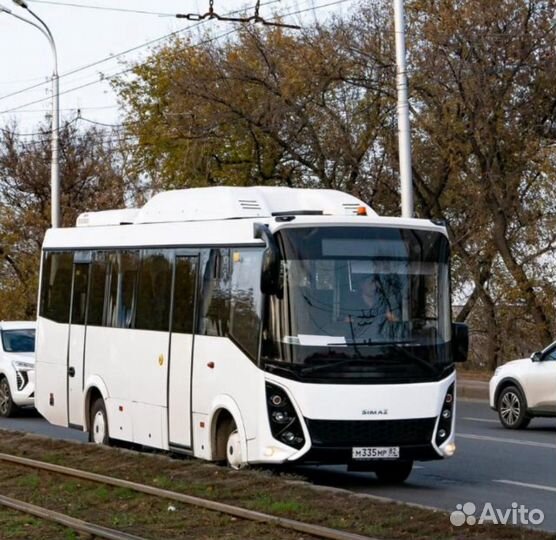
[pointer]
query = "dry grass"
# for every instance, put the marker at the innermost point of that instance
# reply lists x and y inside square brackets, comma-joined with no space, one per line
[149,517]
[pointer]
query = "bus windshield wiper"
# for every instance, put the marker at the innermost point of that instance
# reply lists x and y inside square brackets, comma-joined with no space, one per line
[370,342]
[311,369]
[271,366]
[412,356]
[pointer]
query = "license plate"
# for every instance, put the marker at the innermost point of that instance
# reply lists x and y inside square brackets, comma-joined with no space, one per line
[376,452]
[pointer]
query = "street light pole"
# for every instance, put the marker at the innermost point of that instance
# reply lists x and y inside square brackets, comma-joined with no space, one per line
[404,135]
[55,166]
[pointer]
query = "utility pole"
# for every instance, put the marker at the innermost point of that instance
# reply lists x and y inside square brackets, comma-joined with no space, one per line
[404,134]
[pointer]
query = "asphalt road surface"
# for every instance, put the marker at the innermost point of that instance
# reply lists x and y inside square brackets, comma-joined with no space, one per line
[492,465]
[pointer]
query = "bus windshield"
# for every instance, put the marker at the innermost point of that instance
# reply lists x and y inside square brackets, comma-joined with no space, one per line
[360,303]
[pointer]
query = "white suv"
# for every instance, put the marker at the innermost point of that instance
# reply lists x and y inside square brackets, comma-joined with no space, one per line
[17,366]
[522,389]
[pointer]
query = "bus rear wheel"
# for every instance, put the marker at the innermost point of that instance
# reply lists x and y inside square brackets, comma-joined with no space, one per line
[395,472]
[98,432]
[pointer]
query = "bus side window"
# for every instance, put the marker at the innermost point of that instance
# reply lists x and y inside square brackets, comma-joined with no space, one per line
[56,291]
[154,290]
[215,297]
[184,295]
[97,289]
[246,299]
[119,309]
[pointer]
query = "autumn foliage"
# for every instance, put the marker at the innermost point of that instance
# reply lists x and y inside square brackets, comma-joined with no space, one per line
[317,108]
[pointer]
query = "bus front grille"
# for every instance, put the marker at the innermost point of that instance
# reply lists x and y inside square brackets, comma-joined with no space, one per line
[342,433]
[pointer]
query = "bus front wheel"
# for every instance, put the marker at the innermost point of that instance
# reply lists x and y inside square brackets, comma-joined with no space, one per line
[395,472]
[98,433]
[233,450]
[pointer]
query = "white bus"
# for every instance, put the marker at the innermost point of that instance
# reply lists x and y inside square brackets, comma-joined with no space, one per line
[253,325]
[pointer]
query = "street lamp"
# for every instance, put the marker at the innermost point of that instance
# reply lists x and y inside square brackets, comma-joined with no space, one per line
[55,170]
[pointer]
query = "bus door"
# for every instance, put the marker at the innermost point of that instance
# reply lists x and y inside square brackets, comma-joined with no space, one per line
[181,351]
[77,336]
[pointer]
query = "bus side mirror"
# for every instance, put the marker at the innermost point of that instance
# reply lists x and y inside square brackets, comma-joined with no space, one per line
[460,341]
[270,271]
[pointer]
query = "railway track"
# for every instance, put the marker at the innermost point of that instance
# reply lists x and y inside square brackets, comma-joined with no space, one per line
[99,531]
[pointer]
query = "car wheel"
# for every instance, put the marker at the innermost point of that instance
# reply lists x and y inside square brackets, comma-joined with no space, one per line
[395,472]
[98,432]
[512,409]
[7,405]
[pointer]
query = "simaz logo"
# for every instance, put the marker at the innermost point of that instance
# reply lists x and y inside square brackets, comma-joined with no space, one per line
[374,412]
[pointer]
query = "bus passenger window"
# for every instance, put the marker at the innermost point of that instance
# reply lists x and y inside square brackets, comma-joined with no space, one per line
[153,292]
[97,289]
[215,298]
[120,306]
[79,303]
[56,289]
[184,295]
[246,299]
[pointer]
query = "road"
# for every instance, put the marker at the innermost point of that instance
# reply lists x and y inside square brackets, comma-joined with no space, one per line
[492,465]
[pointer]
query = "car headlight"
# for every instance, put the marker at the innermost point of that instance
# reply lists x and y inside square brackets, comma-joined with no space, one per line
[20,365]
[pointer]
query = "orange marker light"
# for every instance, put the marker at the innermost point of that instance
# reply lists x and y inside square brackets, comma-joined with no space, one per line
[361,211]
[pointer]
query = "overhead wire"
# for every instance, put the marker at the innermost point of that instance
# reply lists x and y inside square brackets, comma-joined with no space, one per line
[103,79]
[128,70]
[156,40]
[42,132]
[84,108]
[118,55]
[102,8]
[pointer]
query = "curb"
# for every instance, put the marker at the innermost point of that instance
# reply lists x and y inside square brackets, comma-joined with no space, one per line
[469,389]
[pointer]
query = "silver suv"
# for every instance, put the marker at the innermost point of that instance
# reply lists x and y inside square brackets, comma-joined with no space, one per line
[17,366]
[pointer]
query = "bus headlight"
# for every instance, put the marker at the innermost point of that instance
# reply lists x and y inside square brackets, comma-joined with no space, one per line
[445,421]
[284,423]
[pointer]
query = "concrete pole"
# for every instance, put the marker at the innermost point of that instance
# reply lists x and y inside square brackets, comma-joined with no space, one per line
[404,134]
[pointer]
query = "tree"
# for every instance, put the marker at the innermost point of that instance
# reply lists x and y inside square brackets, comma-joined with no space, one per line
[483,79]
[92,177]
[267,107]
[318,108]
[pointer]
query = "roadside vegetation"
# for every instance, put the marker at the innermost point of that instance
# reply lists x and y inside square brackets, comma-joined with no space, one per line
[317,108]
[258,489]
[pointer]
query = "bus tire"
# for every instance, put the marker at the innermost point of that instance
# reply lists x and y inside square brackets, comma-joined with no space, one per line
[98,432]
[395,472]
[234,457]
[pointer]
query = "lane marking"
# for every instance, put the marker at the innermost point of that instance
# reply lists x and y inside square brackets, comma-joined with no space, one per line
[504,440]
[524,484]
[480,419]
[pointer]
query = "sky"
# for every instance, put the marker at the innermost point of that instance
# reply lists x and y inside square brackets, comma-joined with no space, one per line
[84,36]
